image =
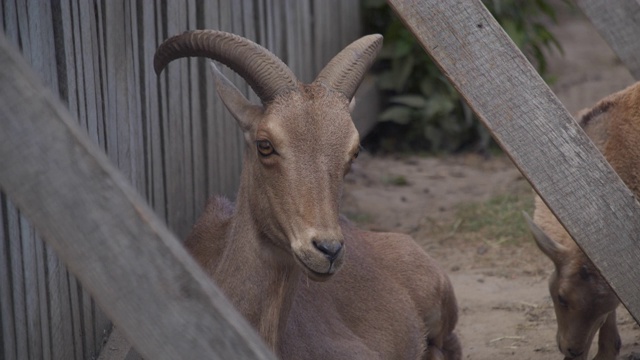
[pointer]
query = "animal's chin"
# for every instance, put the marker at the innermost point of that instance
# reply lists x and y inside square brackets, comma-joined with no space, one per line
[316,275]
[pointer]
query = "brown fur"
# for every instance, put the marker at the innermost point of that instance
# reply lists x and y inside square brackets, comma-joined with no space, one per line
[382,297]
[583,300]
[390,300]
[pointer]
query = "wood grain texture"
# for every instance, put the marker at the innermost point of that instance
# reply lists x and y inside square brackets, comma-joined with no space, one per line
[539,135]
[619,24]
[7,323]
[107,236]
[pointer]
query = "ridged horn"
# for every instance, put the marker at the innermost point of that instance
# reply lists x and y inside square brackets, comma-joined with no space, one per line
[267,75]
[345,71]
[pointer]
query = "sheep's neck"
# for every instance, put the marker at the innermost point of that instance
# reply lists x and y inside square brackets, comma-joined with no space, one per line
[260,281]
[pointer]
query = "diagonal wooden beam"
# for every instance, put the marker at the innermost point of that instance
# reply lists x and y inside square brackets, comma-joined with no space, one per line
[537,132]
[137,271]
[618,22]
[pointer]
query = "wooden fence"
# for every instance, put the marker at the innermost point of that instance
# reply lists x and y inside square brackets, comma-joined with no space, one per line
[105,232]
[170,136]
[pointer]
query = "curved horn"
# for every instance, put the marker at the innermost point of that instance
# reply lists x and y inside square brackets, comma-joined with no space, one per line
[267,75]
[345,71]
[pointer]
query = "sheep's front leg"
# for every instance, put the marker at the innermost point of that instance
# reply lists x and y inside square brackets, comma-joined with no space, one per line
[608,339]
[434,353]
[448,349]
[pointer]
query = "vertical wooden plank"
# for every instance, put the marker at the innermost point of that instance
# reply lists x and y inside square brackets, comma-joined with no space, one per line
[71,89]
[75,319]
[42,298]
[619,26]
[178,158]
[17,281]
[86,306]
[86,60]
[250,29]
[165,82]
[133,98]
[198,124]
[306,31]
[270,39]
[236,137]
[22,26]
[7,321]
[106,79]
[14,333]
[149,116]
[42,31]
[58,295]
[94,11]
[227,126]
[65,32]
[190,120]
[30,283]
[212,109]
[319,38]
[260,24]
[249,20]
[4,29]
[114,60]
[349,15]
[162,33]
[10,19]
[42,42]
[290,10]
[116,97]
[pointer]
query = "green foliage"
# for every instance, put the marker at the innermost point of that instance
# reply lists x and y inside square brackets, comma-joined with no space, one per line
[422,111]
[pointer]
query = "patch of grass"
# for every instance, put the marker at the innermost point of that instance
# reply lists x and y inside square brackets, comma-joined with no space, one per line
[395,180]
[498,220]
[359,217]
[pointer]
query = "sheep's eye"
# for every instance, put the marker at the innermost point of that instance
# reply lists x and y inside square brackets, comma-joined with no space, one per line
[562,301]
[264,147]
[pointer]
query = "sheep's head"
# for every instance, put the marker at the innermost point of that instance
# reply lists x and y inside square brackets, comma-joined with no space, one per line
[299,143]
[581,297]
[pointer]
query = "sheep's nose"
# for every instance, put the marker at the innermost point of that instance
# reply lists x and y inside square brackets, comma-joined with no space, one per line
[330,248]
[573,353]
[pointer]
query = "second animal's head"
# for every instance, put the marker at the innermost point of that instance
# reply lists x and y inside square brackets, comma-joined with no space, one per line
[581,297]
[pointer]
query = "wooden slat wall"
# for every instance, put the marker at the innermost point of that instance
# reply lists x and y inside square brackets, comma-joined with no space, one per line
[169,135]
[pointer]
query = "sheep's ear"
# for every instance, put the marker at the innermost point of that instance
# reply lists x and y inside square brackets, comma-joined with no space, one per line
[242,109]
[554,250]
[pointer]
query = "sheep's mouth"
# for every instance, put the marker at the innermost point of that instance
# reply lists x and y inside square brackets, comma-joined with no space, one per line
[313,274]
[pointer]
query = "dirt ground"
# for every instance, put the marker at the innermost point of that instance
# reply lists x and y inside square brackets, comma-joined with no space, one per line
[500,282]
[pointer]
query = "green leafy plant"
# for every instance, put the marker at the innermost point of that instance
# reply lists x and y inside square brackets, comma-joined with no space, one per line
[422,110]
